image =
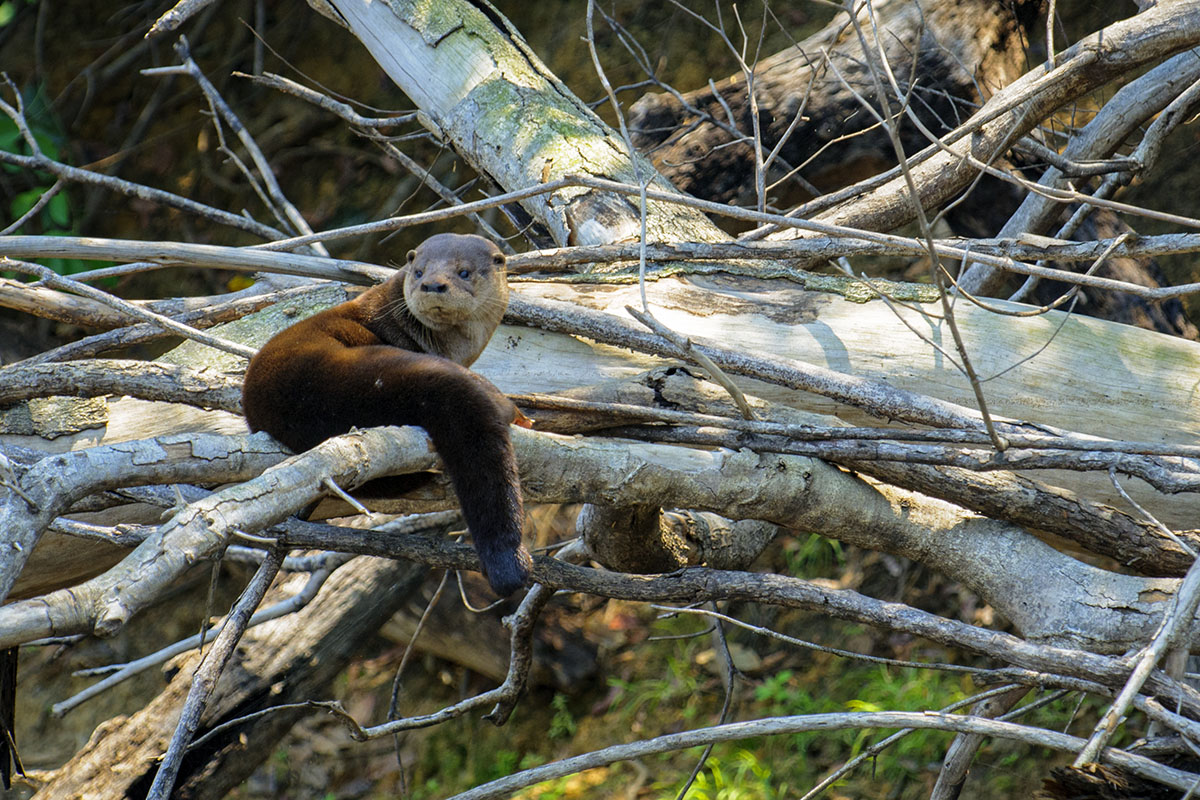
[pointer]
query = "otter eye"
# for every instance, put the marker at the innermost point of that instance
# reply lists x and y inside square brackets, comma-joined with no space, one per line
[464,273]
[417,273]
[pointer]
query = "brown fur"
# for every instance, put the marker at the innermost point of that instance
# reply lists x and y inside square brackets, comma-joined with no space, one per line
[398,355]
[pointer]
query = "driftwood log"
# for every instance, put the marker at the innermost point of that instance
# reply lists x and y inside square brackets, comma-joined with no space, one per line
[1143,381]
[290,660]
[951,56]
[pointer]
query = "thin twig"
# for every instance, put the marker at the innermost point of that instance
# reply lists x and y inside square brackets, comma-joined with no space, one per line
[1177,618]
[641,174]
[51,278]
[685,344]
[207,673]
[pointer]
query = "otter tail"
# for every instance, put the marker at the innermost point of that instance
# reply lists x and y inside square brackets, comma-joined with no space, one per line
[467,418]
[479,459]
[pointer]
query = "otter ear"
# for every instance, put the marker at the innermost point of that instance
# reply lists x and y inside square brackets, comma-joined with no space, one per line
[498,259]
[412,256]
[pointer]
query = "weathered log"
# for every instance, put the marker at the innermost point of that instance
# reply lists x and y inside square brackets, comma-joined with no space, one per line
[952,55]
[290,660]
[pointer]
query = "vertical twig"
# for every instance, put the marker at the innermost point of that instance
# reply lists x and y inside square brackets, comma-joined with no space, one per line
[210,670]
[397,679]
[729,675]
[888,119]
[685,344]
[642,180]
[1179,615]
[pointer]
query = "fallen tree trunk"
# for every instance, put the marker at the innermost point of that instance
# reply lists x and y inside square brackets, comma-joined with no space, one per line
[1049,370]
[290,660]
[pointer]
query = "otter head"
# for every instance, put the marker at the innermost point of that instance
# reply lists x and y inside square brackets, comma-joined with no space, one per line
[453,280]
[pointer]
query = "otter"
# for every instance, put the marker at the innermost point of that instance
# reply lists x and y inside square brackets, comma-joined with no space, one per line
[398,355]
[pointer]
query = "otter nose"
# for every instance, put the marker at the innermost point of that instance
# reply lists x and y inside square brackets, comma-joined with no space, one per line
[436,287]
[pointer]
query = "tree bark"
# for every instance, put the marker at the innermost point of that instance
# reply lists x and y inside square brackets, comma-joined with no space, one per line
[290,660]
[962,51]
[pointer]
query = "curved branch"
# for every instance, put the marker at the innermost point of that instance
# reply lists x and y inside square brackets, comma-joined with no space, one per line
[505,787]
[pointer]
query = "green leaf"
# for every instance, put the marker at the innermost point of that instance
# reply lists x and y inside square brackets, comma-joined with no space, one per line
[59,210]
[863,705]
[9,135]
[25,201]
[47,144]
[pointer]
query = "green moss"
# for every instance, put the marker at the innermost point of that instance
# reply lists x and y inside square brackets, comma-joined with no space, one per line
[852,289]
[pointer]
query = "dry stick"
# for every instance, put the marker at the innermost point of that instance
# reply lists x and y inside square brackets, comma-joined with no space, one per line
[123,672]
[700,115]
[410,648]
[39,161]
[149,380]
[981,674]
[640,174]
[277,202]
[41,203]
[209,671]
[760,182]
[685,345]
[729,675]
[889,125]
[1073,196]
[701,584]
[425,175]
[246,259]
[47,303]
[51,278]
[873,396]
[1178,616]
[876,397]
[1004,102]
[848,243]
[180,13]
[1059,195]
[227,311]
[504,696]
[732,212]
[1075,167]
[506,787]
[1067,296]
[346,112]
[1170,534]
[962,749]
[343,110]
[1165,479]
[520,652]
[835,433]
[1133,103]
[1145,156]
[1026,247]
[877,748]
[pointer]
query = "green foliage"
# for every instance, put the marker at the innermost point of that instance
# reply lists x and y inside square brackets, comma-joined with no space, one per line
[740,776]
[8,10]
[813,556]
[677,689]
[563,725]
[26,188]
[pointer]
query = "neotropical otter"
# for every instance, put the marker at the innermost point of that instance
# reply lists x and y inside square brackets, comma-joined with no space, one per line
[398,355]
